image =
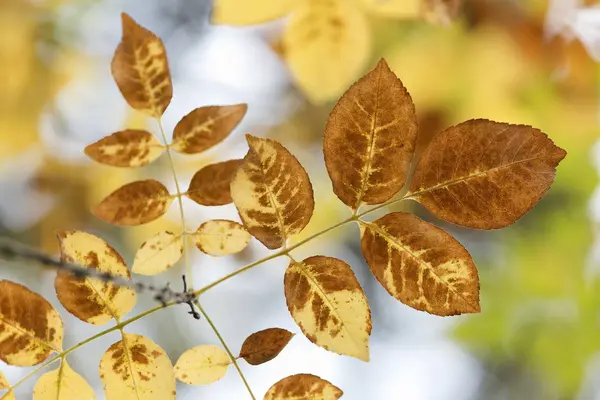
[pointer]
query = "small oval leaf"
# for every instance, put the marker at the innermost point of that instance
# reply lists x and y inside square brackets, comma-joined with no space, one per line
[484,174]
[129,148]
[303,386]
[328,304]
[158,254]
[421,265]
[220,237]
[205,127]
[89,299]
[30,328]
[272,193]
[202,365]
[62,384]
[370,139]
[210,186]
[136,203]
[137,368]
[265,345]
[141,70]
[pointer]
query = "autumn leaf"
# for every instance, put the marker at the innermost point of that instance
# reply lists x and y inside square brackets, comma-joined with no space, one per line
[265,345]
[370,139]
[129,148]
[137,368]
[136,203]
[210,186]
[5,385]
[141,70]
[202,365]
[243,12]
[421,265]
[326,45]
[205,127]
[272,193]
[62,384]
[303,386]
[90,299]
[328,304]
[485,175]
[221,237]
[158,254]
[30,328]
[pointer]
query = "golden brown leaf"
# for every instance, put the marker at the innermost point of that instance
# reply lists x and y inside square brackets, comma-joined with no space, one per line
[484,174]
[137,368]
[370,139]
[205,127]
[272,193]
[202,365]
[129,148]
[158,254]
[421,265]
[210,186]
[30,328]
[62,384]
[265,345]
[90,299]
[134,204]
[141,70]
[328,304]
[221,237]
[303,387]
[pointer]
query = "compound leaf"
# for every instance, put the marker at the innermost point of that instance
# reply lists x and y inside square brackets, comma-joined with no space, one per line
[129,148]
[30,328]
[158,254]
[137,368]
[484,174]
[265,345]
[421,265]
[370,139]
[328,304]
[141,70]
[135,203]
[90,299]
[202,365]
[272,193]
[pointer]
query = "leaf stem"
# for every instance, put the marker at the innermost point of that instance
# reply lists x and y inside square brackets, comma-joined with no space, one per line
[231,356]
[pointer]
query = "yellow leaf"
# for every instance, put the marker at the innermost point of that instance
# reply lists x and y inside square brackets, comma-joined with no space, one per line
[136,203]
[327,45]
[244,12]
[90,299]
[30,328]
[129,148]
[484,174]
[205,127]
[158,254]
[8,396]
[220,237]
[3,382]
[62,384]
[210,186]
[401,9]
[303,387]
[328,304]
[272,193]
[265,345]
[137,368]
[141,70]
[370,139]
[202,365]
[421,265]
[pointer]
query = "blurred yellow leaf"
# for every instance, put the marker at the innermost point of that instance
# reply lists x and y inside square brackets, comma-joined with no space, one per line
[404,9]
[245,12]
[62,384]
[202,365]
[158,254]
[327,45]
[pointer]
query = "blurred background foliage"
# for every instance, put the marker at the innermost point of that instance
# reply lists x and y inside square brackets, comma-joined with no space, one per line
[538,336]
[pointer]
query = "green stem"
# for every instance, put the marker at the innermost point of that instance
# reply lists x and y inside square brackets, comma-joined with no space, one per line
[229,353]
